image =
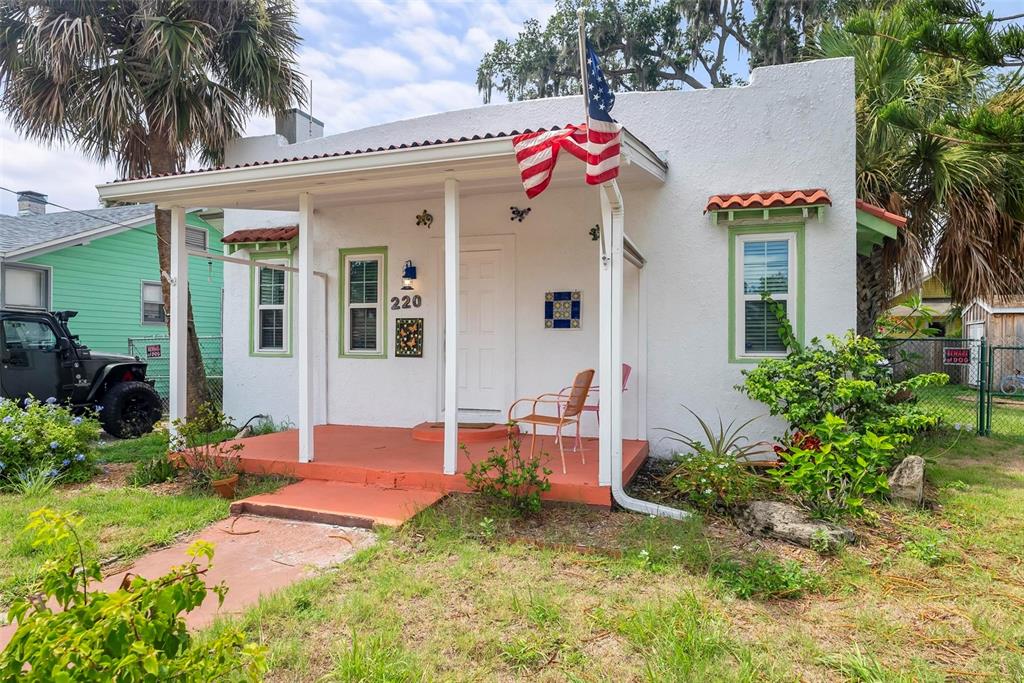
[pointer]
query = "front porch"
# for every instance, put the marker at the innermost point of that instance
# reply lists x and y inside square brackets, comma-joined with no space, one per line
[391,458]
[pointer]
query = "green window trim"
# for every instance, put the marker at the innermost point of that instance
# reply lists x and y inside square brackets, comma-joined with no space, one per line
[343,303]
[254,351]
[796,230]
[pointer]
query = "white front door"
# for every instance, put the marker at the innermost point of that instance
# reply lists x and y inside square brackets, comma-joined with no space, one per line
[486,328]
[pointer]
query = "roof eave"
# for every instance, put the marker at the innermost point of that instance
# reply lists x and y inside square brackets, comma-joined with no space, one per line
[190,188]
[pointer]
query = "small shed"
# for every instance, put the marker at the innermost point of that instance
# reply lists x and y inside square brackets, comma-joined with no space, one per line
[1000,320]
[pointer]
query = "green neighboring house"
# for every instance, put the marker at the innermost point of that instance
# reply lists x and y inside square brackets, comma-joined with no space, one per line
[103,263]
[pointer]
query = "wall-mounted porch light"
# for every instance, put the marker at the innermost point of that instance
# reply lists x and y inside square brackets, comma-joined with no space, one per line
[408,275]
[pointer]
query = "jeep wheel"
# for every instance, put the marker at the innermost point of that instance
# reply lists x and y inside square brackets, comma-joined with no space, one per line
[130,409]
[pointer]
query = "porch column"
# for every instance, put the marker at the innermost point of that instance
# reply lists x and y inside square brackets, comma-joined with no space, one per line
[451,324]
[304,328]
[610,340]
[179,317]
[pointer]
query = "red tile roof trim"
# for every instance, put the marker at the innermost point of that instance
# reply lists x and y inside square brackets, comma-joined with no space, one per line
[878,212]
[768,200]
[411,145]
[279,234]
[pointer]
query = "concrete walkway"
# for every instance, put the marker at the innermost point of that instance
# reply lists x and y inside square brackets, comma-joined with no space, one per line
[255,556]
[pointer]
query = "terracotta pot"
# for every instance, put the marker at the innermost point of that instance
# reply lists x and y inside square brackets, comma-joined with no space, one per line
[225,488]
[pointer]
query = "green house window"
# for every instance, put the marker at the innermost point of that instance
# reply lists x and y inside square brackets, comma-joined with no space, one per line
[364,274]
[271,310]
[763,263]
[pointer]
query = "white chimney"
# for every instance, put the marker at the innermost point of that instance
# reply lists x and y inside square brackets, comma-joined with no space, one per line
[31,203]
[297,126]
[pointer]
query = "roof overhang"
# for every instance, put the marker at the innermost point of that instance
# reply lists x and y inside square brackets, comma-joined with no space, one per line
[874,226]
[481,166]
[75,239]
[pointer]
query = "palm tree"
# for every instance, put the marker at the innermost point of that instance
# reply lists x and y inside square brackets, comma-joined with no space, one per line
[147,84]
[964,198]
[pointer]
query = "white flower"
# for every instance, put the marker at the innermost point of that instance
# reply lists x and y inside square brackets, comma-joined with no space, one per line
[676,549]
[708,492]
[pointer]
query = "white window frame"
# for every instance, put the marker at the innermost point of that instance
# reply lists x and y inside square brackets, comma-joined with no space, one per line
[791,296]
[142,302]
[284,308]
[191,229]
[379,306]
[47,297]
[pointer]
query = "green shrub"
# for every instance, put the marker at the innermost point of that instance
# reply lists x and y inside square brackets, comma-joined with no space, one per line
[765,577]
[849,379]
[509,478]
[710,480]
[712,475]
[154,470]
[832,468]
[135,633]
[41,435]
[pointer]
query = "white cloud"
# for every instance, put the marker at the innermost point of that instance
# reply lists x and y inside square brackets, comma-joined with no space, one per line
[407,12]
[65,175]
[378,64]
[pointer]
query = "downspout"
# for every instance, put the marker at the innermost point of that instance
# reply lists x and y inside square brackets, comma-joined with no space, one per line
[612,267]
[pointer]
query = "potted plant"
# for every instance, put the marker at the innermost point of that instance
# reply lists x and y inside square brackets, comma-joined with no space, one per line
[209,463]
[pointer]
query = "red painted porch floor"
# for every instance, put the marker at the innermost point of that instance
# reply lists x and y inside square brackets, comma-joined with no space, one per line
[382,475]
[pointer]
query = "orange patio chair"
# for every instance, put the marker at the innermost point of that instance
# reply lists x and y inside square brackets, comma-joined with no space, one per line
[627,369]
[569,409]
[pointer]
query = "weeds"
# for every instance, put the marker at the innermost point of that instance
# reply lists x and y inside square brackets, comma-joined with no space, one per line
[765,578]
[35,482]
[155,470]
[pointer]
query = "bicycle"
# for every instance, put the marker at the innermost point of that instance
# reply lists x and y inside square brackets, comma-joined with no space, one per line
[1013,383]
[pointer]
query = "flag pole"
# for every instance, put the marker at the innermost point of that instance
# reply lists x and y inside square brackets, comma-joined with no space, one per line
[584,82]
[580,12]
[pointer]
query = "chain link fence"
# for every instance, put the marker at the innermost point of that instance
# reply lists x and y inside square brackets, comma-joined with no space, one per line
[156,351]
[985,392]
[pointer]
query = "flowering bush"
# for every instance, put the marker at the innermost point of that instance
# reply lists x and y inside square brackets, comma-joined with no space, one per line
[41,434]
[711,479]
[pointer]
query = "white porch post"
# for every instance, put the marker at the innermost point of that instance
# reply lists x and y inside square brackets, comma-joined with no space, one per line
[304,328]
[179,316]
[451,324]
[609,339]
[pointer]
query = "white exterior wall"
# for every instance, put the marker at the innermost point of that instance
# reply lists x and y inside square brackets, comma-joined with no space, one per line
[792,128]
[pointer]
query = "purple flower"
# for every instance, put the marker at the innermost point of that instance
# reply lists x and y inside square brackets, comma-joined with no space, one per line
[9,419]
[28,402]
[76,421]
[2,466]
[52,473]
[51,400]
[54,445]
[65,462]
[99,409]
[79,457]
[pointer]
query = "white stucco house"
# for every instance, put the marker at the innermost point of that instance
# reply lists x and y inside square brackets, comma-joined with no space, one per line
[718,189]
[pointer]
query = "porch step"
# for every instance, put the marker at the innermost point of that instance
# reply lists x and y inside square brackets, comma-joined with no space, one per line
[342,503]
[469,432]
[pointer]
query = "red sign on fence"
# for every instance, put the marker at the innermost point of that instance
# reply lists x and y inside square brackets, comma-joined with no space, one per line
[956,356]
[154,351]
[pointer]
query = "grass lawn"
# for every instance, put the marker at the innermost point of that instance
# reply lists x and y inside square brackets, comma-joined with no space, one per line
[120,522]
[930,595]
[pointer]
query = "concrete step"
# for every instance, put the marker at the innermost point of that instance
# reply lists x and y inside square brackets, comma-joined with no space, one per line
[341,503]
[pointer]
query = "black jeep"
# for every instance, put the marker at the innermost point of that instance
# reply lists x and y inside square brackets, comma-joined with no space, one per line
[39,357]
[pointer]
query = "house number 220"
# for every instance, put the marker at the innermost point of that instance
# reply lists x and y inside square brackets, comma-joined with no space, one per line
[414,301]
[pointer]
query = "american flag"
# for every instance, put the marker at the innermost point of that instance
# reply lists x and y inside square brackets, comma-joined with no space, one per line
[597,145]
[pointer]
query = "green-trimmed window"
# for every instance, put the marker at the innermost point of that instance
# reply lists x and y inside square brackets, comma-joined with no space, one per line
[364,273]
[271,309]
[764,263]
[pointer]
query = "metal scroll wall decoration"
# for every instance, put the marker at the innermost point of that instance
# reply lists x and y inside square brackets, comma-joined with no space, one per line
[425,219]
[519,214]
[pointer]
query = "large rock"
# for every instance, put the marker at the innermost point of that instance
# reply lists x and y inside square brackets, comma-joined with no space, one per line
[906,483]
[790,523]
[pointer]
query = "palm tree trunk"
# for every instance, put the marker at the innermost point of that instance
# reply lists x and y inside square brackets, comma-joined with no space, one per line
[871,292]
[163,160]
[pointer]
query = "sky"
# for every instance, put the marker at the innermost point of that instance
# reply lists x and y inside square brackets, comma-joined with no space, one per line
[370,61]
